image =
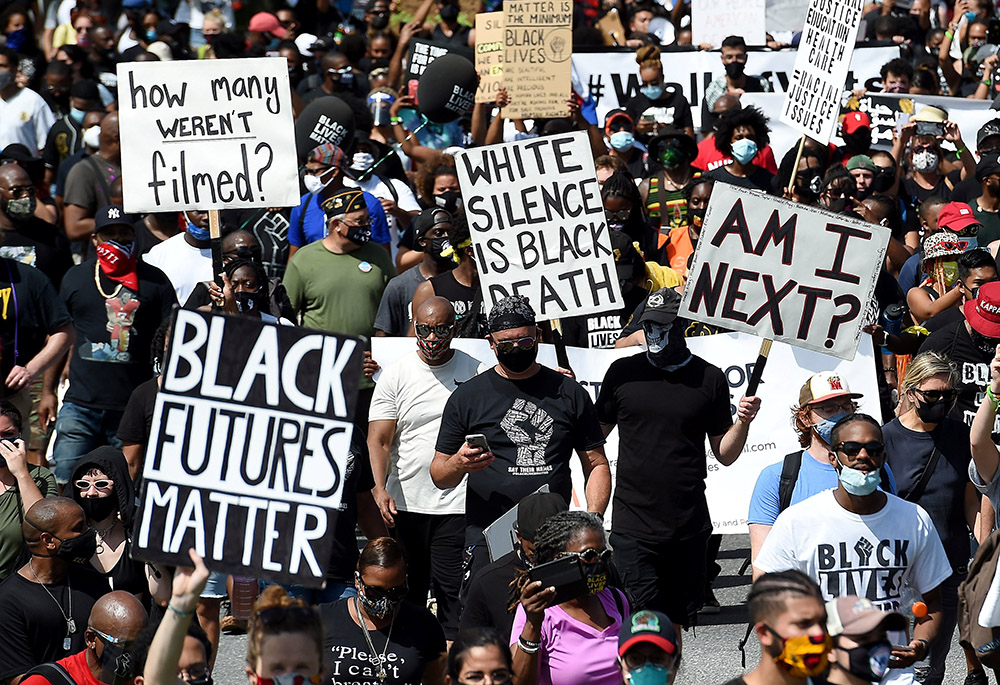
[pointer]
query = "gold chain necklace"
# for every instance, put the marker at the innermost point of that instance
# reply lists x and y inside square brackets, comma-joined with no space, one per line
[97,281]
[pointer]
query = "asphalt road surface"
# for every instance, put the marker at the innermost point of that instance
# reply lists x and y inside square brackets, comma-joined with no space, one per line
[710,652]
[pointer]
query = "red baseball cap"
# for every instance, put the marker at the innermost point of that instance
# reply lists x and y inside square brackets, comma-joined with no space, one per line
[265,22]
[852,121]
[983,313]
[957,216]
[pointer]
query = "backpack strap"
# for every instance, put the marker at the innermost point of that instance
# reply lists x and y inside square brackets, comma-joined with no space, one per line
[925,476]
[52,672]
[388,184]
[789,476]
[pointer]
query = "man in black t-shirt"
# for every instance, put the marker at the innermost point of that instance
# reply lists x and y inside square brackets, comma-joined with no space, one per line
[532,417]
[665,403]
[26,238]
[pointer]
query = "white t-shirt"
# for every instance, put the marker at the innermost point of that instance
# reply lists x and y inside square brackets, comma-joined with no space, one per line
[184,264]
[25,119]
[413,394]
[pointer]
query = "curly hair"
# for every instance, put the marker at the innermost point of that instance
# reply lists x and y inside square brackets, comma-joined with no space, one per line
[307,623]
[158,346]
[732,119]
[440,165]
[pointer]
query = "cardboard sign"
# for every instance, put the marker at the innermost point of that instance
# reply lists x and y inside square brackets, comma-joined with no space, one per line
[537,222]
[784,271]
[611,28]
[249,447]
[207,134]
[712,21]
[489,55]
[812,106]
[538,48]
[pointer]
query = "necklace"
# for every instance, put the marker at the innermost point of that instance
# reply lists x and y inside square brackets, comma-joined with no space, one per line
[97,281]
[101,533]
[376,660]
[70,623]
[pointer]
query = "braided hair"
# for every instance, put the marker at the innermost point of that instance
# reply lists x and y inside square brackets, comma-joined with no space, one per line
[238,263]
[769,592]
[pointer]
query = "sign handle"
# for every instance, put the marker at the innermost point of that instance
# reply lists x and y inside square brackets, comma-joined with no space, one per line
[214,232]
[758,368]
[795,167]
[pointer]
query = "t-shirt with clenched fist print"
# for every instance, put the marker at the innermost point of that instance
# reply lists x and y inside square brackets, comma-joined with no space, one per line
[533,426]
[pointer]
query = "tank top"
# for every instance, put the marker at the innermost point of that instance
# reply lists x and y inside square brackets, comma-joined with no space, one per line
[668,208]
[468,304]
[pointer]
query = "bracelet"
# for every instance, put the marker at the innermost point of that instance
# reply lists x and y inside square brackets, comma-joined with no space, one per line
[395,120]
[527,646]
[951,36]
[178,611]
[959,151]
[993,398]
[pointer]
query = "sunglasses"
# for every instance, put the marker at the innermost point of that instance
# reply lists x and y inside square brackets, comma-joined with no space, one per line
[924,148]
[85,485]
[375,593]
[853,449]
[275,616]
[590,555]
[935,396]
[511,345]
[424,330]
[620,216]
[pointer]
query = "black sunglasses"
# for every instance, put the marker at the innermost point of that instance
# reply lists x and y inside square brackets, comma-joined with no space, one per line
[510,345]
[934,396]
[375,593]
[423,330]
[590,555]
[853,449]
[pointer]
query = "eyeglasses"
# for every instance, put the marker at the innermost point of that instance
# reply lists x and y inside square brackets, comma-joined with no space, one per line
[511,345]
[621,216]
[501,675]
[363,227]
[375,593]
[853,449]
[924,148]
[934,396]
[590,555]
[830,408]
[424,330]
[84,485]
[108,638]
[22,191]
[275,616]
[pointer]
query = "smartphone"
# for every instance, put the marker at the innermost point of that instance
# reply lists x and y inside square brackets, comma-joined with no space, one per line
[565,574]
[930,128]
[478,440]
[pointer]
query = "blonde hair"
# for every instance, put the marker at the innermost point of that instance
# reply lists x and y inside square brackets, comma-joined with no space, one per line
[275,597]
[924,366]
[648,56]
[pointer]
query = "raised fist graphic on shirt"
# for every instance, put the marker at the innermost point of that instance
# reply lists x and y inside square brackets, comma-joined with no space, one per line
[864,549]
[529,427]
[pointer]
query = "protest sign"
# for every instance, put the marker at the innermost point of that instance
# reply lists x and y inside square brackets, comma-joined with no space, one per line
[207,134]
[712,21]
[537,67]
[784,271]
[489,55]
[771,436]
[812,104]
[538,226]
[610,26]
[249,447]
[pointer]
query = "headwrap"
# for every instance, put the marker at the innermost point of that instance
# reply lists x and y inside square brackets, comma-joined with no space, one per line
[513,311]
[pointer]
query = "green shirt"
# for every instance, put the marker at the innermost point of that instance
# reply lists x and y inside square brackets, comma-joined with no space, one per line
[339,292]
[991,225]
[11,515]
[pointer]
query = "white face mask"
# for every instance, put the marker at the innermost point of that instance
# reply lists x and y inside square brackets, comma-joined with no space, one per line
[925,161]
[362,161]
[92,137]
[314,183]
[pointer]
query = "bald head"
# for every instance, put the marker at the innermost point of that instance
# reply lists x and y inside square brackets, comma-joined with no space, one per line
[12,175]
[119,615]
[109,130]
[435,311]
[53,515]
[726,103]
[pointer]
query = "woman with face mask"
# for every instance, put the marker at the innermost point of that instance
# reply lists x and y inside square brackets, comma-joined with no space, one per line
[939,290]
[807,180]
[671,153]
[921,148]
[378,636]
[244,291]
[928,449]
[623,210]
[739,134]
[656,106]
[479,657]
[619,136]
[575,642]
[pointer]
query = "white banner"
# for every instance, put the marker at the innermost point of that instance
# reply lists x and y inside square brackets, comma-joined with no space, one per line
[812,105]
[613,77]
[207,134]
[751,274]
[771,435]
[712,21]
[538,225]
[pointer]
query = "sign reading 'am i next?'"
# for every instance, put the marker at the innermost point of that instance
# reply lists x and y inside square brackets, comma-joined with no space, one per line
[249,447]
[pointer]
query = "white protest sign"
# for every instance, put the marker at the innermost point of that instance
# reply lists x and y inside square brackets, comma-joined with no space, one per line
[538,226]
[784,271]
[812,105]
[207,134]
[248,450]
[771,436]
[712,21]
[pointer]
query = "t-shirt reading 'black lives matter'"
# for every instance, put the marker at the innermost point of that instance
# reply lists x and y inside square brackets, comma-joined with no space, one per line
[663,418]
[417,639]
[532,426]
[600,331]
[954,342]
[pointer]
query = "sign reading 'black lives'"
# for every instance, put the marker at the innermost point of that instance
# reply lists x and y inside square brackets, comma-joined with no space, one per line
[249,447]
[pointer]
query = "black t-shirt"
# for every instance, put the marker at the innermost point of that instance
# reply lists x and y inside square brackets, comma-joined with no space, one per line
[600,331]
[64,138]
[27,315]
[470,320]
[33,627]
[39,244]
[954,342]
[663,418]
[358,478]
[966,191]
[532,426]
[111,353]
[137,421]
[486,605]
[417,640]
[944,497]
[671,109]
[946,318]
[915,195]
[759,178]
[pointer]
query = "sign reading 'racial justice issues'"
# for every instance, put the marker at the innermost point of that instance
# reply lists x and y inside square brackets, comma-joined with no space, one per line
[538,226]
[207,134]
[249,447]
[784,271]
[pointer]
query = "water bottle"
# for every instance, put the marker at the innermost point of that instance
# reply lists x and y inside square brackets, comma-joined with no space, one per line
[243,597]
[892,321]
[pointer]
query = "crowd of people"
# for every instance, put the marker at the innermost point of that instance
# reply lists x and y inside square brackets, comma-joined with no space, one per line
[859,542]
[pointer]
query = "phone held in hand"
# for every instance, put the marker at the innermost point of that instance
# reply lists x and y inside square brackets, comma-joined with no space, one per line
[565,574]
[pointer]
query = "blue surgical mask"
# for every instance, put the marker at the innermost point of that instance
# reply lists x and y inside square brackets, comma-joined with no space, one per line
[970,16]
[858,482]
[973,243]
[622,140]
[824,429]
[744,150]
[150,35]
[77,115]
[199,234]
[652,92]
[649,674]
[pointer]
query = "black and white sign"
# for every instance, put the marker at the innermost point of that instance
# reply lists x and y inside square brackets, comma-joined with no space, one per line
[537,222]
[207,134]
[784,271]
[248,447]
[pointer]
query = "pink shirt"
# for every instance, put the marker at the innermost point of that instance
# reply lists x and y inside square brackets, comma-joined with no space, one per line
[575,653]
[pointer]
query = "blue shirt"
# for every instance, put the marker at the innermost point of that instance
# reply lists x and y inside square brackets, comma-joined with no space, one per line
[910,275]
[813,479]
[301,231]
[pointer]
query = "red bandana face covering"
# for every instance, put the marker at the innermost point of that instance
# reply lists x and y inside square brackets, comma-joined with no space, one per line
[118,263]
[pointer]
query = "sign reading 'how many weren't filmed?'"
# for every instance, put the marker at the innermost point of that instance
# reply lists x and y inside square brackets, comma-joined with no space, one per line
[207,134]
[249,447]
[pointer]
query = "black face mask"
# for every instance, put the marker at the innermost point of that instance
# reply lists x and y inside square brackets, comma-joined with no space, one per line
[883,180]
[247,301]
[932,412]
[861,139]
[379,21]
[450,200]
[518,360]
[988,346]
[869,662]
[117,667]
[449,12]
[435,246]
[808,183]
[673,353]
[359,235]
[98,508]
[78,550]
[735,69]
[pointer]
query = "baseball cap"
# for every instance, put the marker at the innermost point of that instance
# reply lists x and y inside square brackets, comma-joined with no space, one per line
[617,114]
[853,615]
[16,152]
[943,244]
[861,162]
[265,22]
[425,221]
[990,128]
[823,386]
[85,89]
[852,121]
[957,216]
[647,626]
[112,215]
[983,313]
[626,256]
[533,510]
[661,306]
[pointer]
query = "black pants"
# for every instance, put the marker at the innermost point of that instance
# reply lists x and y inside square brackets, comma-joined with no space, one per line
[667,576]
[434,549]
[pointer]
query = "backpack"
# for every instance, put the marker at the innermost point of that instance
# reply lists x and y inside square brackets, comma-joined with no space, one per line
[971,596]
[52,672]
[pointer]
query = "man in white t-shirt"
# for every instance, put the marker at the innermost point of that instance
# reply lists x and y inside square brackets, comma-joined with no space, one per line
[25,118]
[405,417]
[185,258]
[859,540]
